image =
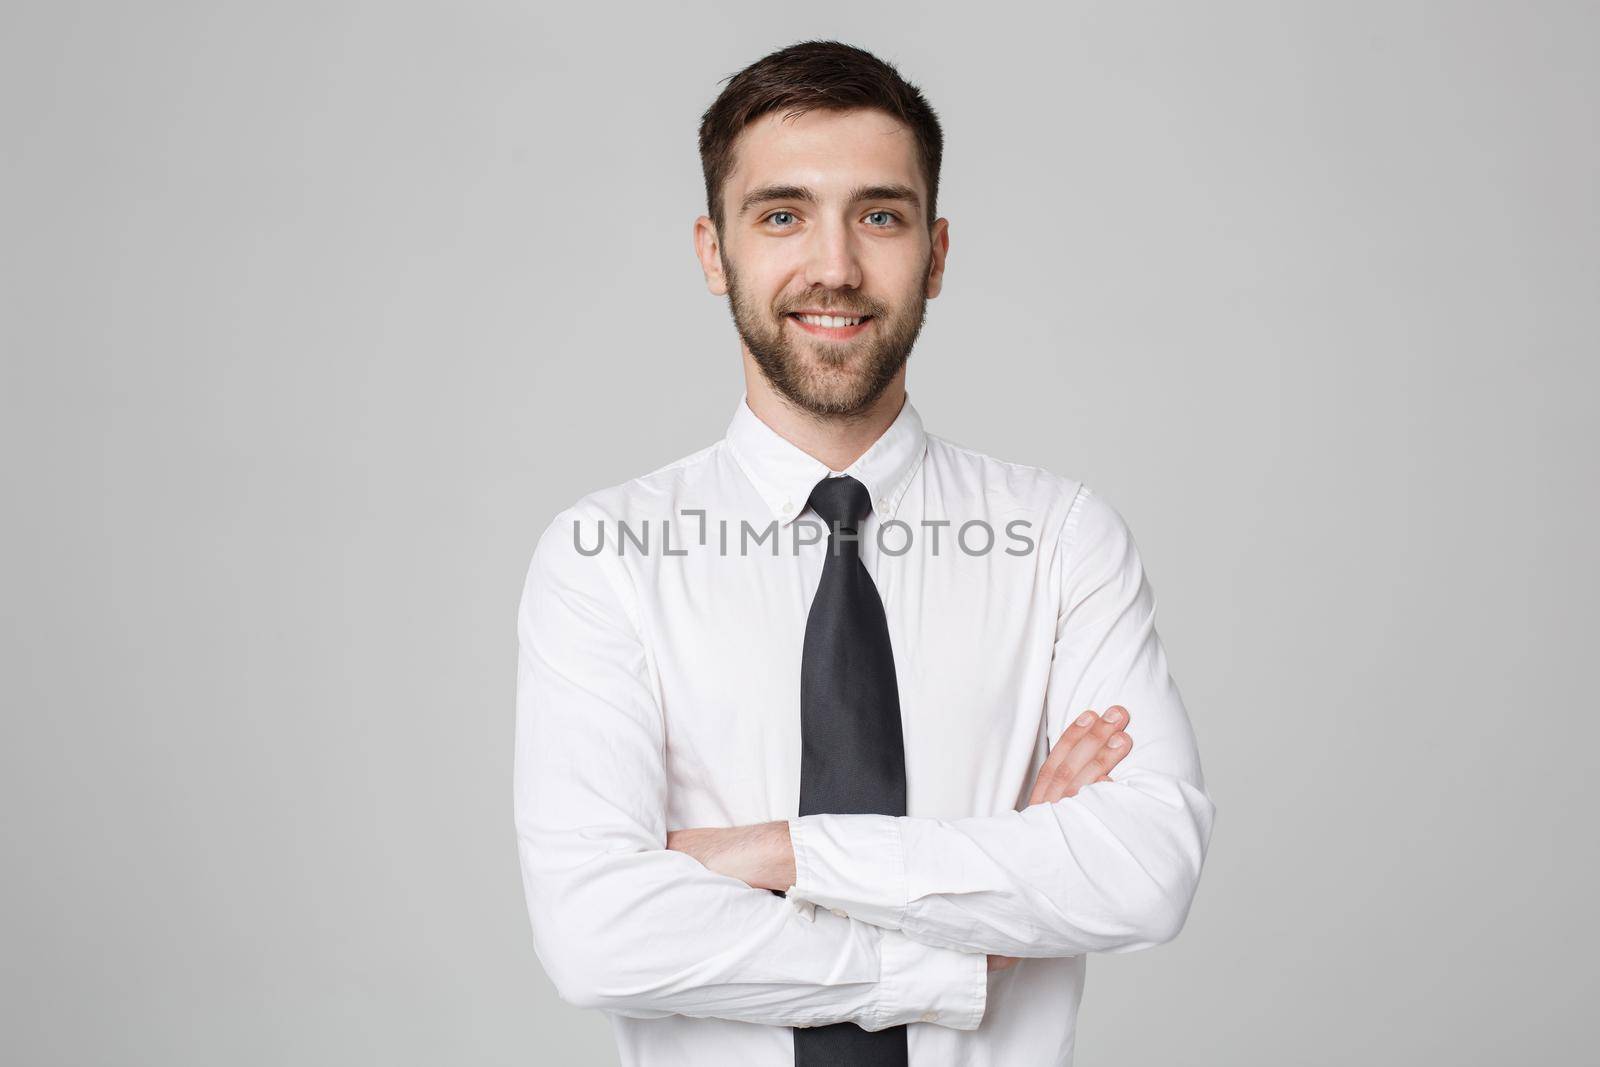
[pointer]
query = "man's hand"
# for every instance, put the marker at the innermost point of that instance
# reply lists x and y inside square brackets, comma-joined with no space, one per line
[759,855]
[1086,751]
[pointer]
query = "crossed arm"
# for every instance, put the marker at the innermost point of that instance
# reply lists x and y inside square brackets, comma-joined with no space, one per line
[910,908]
[762,855]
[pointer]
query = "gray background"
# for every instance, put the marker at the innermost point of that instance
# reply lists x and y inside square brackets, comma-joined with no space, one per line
[315,314]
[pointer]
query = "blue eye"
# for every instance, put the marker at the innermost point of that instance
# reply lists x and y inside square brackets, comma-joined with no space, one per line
[778,216]
[888,217]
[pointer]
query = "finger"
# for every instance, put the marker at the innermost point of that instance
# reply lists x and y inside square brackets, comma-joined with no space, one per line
[1070,774]
[1116,748]
[1073,733]
[1055,776]
[1064,744]
[1065,777]
[1078,745]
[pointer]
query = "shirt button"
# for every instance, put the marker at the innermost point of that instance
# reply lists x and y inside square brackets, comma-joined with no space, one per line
[788,506]
[837,912]
[930,1016]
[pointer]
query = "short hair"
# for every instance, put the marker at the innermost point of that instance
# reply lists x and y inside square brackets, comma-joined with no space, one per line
[814,75]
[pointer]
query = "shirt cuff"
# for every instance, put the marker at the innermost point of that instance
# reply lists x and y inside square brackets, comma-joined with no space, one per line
[851,864]
[921,983]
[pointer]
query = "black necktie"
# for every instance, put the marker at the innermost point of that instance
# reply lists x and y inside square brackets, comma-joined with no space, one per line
[852,752]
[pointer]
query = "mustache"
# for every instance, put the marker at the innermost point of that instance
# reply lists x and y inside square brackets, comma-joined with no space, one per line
[829,304]
[830,307]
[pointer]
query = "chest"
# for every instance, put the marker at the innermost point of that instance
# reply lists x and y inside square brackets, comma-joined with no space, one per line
[972,636]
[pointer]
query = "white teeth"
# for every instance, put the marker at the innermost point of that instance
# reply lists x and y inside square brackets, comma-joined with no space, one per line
[834,321]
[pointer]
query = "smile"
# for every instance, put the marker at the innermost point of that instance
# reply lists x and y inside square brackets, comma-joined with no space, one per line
[833,327]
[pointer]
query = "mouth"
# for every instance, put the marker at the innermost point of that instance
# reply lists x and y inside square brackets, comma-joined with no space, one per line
[830,327]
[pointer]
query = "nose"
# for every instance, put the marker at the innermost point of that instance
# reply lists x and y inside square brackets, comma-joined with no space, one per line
[831,259]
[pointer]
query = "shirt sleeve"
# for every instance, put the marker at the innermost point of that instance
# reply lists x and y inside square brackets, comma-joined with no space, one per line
[1112,869]
[620,922]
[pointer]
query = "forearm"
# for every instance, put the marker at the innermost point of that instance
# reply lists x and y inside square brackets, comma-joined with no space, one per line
[1112,869]
[652,933]
[997,885]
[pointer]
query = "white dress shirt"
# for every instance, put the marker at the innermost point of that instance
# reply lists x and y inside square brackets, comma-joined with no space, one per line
[658,688]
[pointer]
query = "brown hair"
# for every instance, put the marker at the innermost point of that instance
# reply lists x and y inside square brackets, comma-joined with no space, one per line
[827,75]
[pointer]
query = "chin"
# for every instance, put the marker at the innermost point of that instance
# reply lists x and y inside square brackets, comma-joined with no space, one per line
[840,397]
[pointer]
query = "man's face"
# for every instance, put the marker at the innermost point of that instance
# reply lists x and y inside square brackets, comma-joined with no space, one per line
[825,215]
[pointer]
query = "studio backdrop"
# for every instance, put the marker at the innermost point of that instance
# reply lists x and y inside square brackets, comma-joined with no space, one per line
[314,315]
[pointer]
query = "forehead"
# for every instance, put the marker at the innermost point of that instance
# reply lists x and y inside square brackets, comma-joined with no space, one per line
[828,151]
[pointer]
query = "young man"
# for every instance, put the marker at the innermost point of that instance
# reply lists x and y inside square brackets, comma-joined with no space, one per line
[823,662]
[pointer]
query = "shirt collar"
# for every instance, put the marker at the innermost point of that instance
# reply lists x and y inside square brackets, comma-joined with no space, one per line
[784,474]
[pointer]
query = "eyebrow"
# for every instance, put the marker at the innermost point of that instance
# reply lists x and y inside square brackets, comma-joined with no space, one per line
[799,193]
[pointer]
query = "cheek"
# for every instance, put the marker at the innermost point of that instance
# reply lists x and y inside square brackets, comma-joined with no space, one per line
[763,280]
[783,276]
[896,274]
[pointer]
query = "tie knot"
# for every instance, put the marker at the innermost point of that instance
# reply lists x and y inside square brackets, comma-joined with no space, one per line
[841,502]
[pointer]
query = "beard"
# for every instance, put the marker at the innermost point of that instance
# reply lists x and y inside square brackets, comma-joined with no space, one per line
[828,379]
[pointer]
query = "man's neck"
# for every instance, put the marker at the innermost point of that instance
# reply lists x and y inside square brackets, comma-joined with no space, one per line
[837,440]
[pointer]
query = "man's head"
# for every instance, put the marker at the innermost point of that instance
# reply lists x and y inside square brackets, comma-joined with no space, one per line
[822,169]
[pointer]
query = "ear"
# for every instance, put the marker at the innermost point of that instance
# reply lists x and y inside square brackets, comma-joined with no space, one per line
[709,249]
[941,248]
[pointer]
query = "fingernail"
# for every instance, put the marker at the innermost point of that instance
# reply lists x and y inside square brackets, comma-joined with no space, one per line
[1118,741]
[1086,718]
[1113,716]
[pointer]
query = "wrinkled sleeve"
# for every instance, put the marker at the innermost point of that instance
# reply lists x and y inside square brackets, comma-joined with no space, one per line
[1112,869]
[621,923]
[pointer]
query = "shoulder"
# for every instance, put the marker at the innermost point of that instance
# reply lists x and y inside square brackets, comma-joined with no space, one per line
[1074,514]
[1006,487]
[575,555]
[655,494]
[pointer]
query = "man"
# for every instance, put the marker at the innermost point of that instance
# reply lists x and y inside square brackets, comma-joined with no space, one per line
[823,661]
